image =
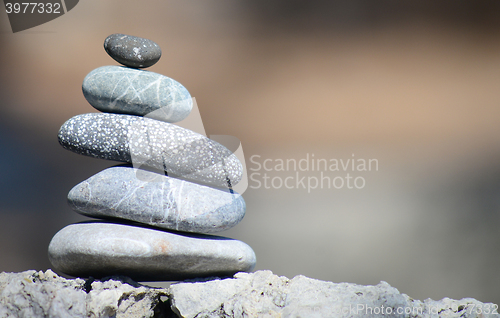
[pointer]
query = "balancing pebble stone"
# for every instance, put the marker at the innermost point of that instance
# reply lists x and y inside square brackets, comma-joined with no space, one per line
[118,89]
[177,187]
[102,249]
[132,51]
[157,200]
[153,143]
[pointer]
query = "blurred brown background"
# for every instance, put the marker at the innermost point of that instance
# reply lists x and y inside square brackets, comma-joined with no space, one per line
[415,85]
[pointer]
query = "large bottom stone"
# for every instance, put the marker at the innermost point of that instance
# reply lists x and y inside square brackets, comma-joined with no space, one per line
[102,249]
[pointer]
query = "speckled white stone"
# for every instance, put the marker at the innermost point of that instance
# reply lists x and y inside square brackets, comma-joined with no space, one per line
[101,249]
[123,90]
[144,141]
[155,199]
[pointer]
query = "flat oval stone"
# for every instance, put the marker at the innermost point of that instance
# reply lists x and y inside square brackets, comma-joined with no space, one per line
[118,89]
[132,51]
[155,199]
[102,249]
[144,141]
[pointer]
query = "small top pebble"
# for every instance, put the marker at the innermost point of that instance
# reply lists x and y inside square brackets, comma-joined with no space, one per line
[132,51]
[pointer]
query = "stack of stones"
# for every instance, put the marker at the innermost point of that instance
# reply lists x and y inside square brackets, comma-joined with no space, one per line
[177,183]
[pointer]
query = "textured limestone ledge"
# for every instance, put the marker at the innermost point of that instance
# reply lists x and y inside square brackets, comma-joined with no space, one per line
[259,294]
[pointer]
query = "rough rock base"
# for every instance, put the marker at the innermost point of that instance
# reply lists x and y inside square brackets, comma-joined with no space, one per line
[259,294]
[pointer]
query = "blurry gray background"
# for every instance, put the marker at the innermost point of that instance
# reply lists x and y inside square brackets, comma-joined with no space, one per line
[415,85]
